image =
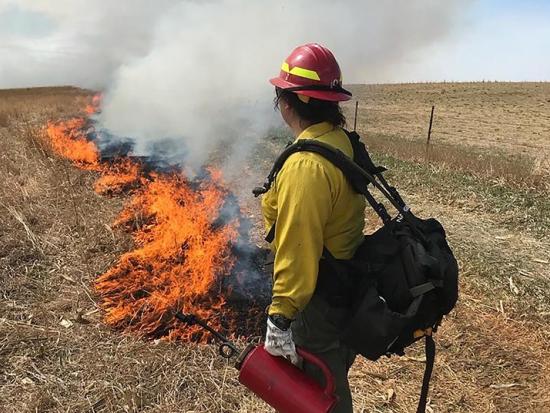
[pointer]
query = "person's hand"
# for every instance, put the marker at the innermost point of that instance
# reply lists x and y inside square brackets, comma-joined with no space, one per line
[278,339]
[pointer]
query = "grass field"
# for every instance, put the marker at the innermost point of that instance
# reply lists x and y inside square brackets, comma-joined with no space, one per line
[509,117]
[485,176]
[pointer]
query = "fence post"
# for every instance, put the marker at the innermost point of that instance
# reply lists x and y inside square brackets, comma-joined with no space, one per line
[430,127]
[355,118]
[429,134]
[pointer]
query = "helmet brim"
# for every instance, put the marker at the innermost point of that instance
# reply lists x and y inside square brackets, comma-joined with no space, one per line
[316,94]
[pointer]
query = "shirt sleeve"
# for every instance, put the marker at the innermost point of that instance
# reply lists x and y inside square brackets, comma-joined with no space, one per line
[304,205]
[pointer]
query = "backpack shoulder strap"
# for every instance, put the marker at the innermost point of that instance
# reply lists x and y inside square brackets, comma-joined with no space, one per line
[335,156]
[357,177]
[350,168]
[361,158]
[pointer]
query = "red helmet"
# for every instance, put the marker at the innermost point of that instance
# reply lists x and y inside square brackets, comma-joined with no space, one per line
[311,70]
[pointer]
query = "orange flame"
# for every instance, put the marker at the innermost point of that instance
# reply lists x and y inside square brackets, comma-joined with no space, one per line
[179,259]
[94,106]
[68,139]
[122,174]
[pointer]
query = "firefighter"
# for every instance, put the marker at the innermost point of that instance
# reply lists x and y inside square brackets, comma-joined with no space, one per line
[311,206]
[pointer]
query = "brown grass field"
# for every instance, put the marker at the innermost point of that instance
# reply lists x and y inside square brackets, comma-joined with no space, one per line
[485,176]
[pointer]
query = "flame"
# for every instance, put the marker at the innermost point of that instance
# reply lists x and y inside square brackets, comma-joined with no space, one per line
[68,139]
[180,255]
[95,104]
[122,174]
[178,259]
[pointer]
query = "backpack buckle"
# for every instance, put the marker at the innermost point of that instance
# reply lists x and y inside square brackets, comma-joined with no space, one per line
[421,333]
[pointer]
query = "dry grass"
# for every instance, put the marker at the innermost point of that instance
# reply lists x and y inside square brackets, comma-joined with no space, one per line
[57,356]
[81,369]
[4,119]
[518,171]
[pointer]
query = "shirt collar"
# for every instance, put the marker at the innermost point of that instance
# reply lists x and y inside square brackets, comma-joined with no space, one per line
[316,130]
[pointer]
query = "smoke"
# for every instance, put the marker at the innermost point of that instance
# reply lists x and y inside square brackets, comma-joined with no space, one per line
[73,42]
[196,71]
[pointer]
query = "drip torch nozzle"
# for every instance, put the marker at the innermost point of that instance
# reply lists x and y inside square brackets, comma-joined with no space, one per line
[227,348]
[189,319]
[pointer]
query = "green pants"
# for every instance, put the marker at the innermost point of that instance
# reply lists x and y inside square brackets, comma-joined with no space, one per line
[317,329]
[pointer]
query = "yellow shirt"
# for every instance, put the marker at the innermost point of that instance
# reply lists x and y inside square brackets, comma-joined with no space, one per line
[314,205]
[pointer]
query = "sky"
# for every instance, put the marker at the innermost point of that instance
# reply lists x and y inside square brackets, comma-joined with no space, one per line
[44,42]
[498,40]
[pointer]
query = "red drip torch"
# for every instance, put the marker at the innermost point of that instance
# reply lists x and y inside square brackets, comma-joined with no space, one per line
[276,380]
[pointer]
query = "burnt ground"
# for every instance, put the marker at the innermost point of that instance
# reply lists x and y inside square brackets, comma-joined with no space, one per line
[56,355]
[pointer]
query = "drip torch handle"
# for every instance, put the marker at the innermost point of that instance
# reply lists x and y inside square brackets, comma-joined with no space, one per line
[329,379]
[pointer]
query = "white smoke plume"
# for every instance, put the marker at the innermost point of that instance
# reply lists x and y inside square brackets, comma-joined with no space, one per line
[197,70]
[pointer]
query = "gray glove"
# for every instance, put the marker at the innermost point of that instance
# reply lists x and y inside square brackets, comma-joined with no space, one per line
[278,342]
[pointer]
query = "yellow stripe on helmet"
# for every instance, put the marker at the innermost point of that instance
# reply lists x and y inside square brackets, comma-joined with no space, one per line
[300,71]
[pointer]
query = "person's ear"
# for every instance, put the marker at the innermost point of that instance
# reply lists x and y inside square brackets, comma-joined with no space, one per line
[286,105]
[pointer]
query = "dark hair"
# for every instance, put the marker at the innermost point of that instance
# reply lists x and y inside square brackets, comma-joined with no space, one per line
[315,111]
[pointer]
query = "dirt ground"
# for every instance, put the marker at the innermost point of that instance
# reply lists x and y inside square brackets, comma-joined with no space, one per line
[56,355]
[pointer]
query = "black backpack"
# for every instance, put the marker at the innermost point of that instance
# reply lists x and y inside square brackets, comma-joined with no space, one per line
[403,278]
